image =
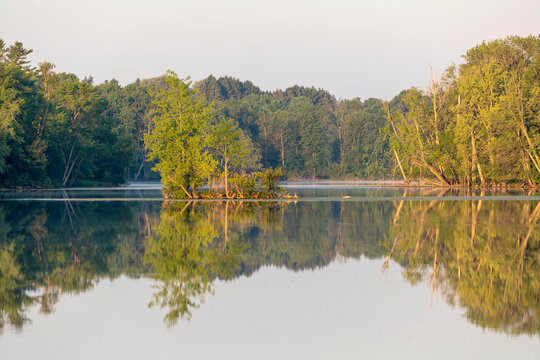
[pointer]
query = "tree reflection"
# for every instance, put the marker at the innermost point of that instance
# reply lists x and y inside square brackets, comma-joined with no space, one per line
[12,301]
[51,249]
[192,246]
[481,254]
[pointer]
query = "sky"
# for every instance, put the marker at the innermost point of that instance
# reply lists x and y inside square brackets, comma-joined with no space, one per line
[350,48]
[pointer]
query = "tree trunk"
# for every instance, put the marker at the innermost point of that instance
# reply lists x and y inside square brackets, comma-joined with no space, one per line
[226,178]
[434,101]
[475,159]
[282,152]
[140,167]
[387,108]
[401,168]
[340,138]
[70,164]
[187,193]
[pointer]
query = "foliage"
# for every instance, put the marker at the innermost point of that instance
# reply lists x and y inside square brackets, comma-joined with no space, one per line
[178,140]
[191,144]
[306,131]
[132,109]
[269,179]
[243,187]
[231,147]
[52,127]
[478,124]
[226,88]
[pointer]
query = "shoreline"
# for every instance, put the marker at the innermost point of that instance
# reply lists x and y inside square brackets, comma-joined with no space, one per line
[292,184]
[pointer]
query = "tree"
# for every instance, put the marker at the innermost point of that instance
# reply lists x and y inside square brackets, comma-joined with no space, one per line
[231,146]
[52,127]
[315,146]
[363,152]
[178,141]
[22,160]
[476,125]
[130,109]
[83,146]
[16,54]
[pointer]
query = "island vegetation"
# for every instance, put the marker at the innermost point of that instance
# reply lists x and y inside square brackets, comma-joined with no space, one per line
[194,149]
[476,125]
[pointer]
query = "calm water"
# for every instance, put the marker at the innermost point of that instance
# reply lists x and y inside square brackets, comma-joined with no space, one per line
[116,273]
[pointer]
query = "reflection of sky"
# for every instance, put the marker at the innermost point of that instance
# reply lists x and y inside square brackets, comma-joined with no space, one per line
[347,310]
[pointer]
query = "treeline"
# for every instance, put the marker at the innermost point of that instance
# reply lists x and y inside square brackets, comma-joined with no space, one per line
[54,128]
[59,130]
[476,125]
[306,131]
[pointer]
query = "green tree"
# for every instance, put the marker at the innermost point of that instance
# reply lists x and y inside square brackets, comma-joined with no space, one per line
[52,127]
[232,147]
[83,146]
[178,140]
[477,124]
[22,159]
[130,109]
[315,145]
[363,151]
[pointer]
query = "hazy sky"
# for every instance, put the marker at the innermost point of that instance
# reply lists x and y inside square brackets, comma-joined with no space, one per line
[351,48]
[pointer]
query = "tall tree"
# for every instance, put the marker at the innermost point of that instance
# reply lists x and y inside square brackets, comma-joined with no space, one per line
[178,141]
[225,141]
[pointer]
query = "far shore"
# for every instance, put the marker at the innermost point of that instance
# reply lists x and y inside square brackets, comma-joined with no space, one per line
[292,184]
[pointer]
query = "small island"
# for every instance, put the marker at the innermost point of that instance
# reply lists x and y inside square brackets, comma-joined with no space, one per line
[200,154]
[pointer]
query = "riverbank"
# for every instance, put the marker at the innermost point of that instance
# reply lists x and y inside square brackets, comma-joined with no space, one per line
[297,183]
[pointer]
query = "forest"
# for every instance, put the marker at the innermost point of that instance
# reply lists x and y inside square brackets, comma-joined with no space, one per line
[476,125]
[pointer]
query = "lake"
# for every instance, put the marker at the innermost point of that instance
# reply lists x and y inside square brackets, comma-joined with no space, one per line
[388,273]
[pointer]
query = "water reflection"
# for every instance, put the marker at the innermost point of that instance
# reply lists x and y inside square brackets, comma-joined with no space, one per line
[483,256]
[49,249]
[191,246]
